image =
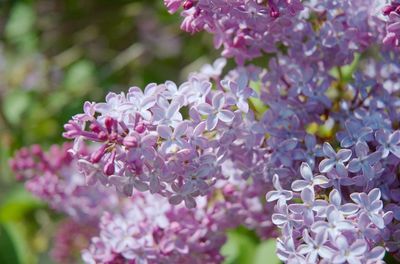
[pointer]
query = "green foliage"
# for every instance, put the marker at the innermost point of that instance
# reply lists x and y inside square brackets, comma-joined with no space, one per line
[14,244]
[8,246]
[20,27]
[16,227]
[16,103]
[79,78]
[17,204]
[243,246]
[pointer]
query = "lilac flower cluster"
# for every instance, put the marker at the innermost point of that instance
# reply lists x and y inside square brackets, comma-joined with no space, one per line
[199,157]
[69,240]
[338,204]
[223,136]
[54,177]
[392,11]
[319,230]
[243,28]
[247,29]
[150,230]
[143,227]
[143,142]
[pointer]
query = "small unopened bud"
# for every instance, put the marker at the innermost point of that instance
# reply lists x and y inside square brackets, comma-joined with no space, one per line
[102,135]
[274,9]
[387,9]
[109,168]
[228,190]
[130,142]
[239,41]
[113,136]
[95,128]
[36,150]
[70,131]
[13,164]
[274,13]
[140,128]
[188,4]
[96,156]
[109,122]
[24,152]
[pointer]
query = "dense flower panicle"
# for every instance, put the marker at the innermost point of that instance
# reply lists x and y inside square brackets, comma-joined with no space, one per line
[150,230]
[69,240]
[144,143]
[354,200]
[54,177]
[321,142]
[243,28]
[246,29]
[224,135]
[392,11]
[151,144]
[142,227]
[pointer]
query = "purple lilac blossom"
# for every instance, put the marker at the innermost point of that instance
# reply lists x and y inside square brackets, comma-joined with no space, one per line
[326,139]
[148,229]
[247,29]
[54,177]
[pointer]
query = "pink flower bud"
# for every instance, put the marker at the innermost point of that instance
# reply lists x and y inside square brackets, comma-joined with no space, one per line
[109,168]
[130,142]
[96,156]
[109,122]
[102,136]
[95,128]
[140,128]
[188,4]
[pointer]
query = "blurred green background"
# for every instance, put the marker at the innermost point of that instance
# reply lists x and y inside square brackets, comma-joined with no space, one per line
[56,54]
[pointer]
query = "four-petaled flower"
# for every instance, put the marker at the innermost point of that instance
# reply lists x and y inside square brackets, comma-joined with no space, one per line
[334,160]
[309,179]
[174,141]
[216,111]
[364,162]
[315,247]
[309,205]
[241,91]
[370,204]
[390,143]
[352,253]
[334,225]
[280,193]
[335,199]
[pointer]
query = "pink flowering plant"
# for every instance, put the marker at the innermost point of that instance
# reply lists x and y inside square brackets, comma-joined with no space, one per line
[296,139]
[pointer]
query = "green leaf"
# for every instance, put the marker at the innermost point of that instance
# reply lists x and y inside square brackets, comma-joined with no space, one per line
[14,247]
[16,102]
[21,21]
[256,104]
[8,251]
[240,247]
[20,27]
[349,69]
[5,173]
[18,204]
[80,77]
[345,72]
[265,253]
